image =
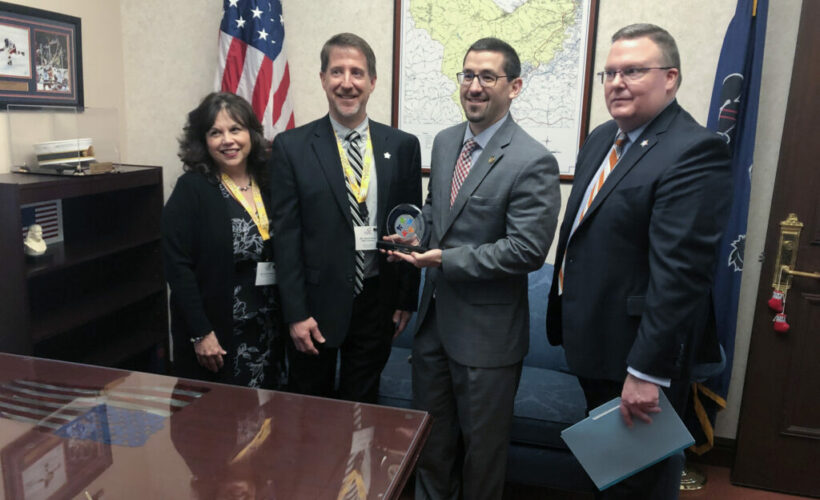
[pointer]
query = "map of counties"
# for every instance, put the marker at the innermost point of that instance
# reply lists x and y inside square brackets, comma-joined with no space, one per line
[550,37]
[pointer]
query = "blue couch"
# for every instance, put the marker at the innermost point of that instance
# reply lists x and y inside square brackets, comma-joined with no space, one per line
[549,399]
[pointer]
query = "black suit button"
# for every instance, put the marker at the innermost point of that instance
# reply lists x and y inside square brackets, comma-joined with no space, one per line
[570,260]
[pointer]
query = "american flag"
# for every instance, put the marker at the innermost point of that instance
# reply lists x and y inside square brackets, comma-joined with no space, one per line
[252,60]
[124,417]
[49,214]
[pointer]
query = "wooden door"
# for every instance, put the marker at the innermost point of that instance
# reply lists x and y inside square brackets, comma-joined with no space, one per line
[778,443]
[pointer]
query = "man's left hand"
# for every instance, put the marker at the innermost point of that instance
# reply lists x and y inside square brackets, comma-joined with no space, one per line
[430,258]
[400,319]
[639,398]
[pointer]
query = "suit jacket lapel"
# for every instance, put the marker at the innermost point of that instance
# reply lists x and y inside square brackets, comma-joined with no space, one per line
[592,160]
[446,166]
[327,154]
[629,160]
[489,158]
[642,145]
[380,138]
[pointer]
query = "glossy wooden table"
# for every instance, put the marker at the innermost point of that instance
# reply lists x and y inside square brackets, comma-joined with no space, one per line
[77,431]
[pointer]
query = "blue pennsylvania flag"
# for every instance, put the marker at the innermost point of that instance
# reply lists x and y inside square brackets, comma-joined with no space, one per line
[733,114]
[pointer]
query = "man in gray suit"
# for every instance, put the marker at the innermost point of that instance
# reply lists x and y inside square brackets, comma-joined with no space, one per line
[491,213]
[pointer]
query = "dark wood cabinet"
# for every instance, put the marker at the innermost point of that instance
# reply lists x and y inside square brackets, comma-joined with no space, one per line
[98,296]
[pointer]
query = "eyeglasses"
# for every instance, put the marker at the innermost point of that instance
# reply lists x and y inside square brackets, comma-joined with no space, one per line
[484,79]
[630,74]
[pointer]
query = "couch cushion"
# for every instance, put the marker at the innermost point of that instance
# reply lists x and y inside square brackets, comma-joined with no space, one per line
[396,386]
[547,402]
[548,467]
[542,354]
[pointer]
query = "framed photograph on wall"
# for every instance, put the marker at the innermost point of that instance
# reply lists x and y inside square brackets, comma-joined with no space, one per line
[40,57]
[555,41]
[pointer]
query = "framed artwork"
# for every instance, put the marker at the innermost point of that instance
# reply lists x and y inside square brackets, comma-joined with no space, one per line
[555,41]
[40,57]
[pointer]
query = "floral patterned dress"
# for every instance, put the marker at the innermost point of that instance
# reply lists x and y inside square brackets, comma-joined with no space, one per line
[258,353]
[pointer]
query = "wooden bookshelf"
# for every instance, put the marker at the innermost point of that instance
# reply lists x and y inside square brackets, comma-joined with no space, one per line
[99,295]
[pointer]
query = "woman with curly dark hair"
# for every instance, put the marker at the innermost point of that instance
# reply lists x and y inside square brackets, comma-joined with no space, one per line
[225,316]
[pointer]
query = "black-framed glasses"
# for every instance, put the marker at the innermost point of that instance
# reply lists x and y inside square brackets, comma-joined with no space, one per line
[484,79]
[630,74]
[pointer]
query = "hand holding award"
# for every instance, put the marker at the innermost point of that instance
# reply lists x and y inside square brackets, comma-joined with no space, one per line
[405,230]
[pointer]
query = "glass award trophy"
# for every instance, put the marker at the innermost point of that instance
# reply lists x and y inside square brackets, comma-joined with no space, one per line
[406,224]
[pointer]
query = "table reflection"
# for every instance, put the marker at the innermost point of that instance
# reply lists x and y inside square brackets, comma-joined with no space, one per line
[74,431]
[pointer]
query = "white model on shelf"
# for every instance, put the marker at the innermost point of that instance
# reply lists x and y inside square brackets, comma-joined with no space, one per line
[34,244]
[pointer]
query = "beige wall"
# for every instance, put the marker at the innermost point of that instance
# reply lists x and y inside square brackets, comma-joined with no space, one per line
[102,43]
[155,68]
[698,42]
[169,67]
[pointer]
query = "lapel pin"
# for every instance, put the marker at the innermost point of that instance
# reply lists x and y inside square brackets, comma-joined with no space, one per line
[491,160]
[645,143]
[387,155]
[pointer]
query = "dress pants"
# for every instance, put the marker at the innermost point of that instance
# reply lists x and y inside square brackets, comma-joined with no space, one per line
[472,408]
[363,354]
[662,480]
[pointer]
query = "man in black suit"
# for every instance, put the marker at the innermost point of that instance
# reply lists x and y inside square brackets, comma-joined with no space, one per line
[630,298]
[333,182]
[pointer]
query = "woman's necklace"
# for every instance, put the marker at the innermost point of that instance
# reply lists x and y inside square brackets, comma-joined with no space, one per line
[243,188]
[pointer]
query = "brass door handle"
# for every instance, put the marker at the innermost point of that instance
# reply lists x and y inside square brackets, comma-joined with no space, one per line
[786,259]
[804,274]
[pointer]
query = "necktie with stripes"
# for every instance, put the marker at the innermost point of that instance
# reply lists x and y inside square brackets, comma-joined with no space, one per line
[463,166]
[358,212]
[353,484]
[614,156]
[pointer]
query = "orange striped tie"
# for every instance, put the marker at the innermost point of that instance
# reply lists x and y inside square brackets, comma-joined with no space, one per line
[614,156]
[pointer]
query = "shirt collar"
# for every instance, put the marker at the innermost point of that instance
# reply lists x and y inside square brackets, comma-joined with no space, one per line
[341,131]
[483,138]
[635,133]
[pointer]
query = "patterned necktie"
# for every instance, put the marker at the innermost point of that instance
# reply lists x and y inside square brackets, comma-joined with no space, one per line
[614,156]
[353,485]
[463,166]
[359,218]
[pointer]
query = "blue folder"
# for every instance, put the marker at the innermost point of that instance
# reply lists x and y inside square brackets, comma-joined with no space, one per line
[609,451]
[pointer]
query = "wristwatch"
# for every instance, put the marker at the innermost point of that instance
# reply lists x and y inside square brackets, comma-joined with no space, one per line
[197,340]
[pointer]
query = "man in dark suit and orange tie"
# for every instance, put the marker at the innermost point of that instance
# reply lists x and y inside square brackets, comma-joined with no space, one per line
[630,299]
[333,183]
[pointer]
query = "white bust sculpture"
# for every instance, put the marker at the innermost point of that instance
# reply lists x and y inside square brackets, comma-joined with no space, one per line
[34,244]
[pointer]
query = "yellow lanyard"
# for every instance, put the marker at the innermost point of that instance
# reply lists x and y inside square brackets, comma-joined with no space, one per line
[259,216]
[359,189]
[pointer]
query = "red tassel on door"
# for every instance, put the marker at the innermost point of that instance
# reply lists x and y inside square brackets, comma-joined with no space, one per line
[780,323]
[776,302]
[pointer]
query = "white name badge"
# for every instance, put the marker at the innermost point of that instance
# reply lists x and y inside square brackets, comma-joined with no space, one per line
[265,274]
[366,237]
[362,440]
